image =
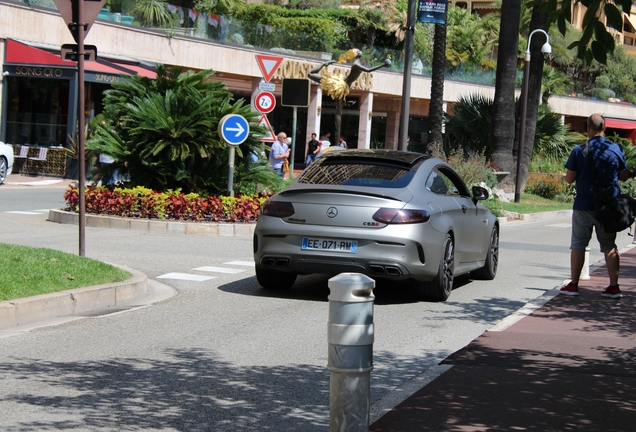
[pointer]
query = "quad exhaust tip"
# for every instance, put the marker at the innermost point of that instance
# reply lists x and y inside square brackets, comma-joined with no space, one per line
[275,262]
[385,270]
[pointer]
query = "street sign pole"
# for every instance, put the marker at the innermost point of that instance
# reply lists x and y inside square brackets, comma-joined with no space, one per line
[78,6]
[234,130]
[79,15]
[230,171]
[293,149]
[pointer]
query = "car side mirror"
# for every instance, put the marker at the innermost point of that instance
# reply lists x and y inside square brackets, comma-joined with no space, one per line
[480,193]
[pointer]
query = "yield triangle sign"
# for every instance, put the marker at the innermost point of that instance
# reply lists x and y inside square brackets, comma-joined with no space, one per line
[268,65]
[68,9]
[264,122]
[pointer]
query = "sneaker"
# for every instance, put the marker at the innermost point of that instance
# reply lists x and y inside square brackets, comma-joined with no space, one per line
[613,292]
[570,289]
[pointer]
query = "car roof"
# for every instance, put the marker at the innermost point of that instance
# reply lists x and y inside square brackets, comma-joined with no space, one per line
[395,156]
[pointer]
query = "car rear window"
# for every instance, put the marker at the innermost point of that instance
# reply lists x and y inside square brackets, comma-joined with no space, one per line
[356,172]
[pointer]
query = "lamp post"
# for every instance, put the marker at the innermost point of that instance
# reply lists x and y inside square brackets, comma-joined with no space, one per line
[545,49]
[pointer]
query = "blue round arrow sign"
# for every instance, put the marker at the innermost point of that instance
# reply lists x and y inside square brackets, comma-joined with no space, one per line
[234,129]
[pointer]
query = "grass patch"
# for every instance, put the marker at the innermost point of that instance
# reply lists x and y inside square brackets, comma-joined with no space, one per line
[529,203]
[31,271]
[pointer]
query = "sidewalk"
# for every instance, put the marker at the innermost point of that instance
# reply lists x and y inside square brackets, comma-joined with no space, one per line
[23,180]
[569,365]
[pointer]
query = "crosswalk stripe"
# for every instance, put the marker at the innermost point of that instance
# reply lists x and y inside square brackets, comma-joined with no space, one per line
[185,276]
[219,270]
[241,263]
[24,212]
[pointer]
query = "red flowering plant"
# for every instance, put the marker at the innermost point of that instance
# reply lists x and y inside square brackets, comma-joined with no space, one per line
[145,203]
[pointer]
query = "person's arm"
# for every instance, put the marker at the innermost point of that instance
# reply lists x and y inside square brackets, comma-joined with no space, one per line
[623,175]
[283,155]
[570,176]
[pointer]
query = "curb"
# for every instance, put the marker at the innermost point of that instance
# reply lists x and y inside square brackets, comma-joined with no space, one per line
[533,217]
[18,312]
[159,226]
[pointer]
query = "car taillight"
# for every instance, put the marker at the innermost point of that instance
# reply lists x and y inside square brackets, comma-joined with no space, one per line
[279,209]
[397,216]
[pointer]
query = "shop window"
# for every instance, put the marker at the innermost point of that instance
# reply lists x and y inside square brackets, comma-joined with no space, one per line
[37,111]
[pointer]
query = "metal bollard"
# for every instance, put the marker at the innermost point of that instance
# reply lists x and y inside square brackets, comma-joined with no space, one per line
[585,271]
[350,359]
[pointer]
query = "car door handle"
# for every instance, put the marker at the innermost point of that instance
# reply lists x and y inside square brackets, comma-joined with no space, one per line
[464,208]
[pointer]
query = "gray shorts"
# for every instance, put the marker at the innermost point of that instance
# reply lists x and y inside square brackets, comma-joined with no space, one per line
[582,224]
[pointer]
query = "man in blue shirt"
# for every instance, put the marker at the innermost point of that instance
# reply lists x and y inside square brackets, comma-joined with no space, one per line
[279,153]
[609,167]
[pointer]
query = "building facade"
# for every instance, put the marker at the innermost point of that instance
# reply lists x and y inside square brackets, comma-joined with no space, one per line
[38,89]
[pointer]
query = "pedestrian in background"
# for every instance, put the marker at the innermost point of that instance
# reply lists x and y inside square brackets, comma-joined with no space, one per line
[279,153]
[342,143]
[312,150]
[609,167]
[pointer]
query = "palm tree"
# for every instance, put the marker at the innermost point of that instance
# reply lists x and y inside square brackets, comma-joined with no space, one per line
[165,131]
[153,13]
[471,122]
[553,82]
[539,20]
[502,131]
[436,108]
[469,127]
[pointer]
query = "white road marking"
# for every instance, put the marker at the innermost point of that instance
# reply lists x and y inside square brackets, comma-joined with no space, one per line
[24,212]
[561,225]
[40,182]
[241,263]
[185,276]
[219,270]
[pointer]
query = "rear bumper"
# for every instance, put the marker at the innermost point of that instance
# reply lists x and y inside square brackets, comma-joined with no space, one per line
[327,265]
[393,253]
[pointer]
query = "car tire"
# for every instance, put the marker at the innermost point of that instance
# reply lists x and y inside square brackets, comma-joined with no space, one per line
[3,169]
[440,287]
[274,279]
[489,270]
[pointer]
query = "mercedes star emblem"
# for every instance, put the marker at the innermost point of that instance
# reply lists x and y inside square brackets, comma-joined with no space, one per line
[332,212]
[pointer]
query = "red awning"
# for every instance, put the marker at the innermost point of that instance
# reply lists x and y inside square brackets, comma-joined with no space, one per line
[620,123]
[141,71]
[22,54]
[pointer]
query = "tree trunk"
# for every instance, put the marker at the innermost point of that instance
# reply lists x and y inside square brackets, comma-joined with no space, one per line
[502,127]
[537,60]
[436,108]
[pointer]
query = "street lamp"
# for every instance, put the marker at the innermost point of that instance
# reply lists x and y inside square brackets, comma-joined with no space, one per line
[545,49]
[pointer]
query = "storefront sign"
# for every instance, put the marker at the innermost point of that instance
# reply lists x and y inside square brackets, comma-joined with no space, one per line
[29,71]
[41,72]
[298,69]
[103,78]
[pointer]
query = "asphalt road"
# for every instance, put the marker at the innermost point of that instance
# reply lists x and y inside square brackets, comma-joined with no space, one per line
[224,355]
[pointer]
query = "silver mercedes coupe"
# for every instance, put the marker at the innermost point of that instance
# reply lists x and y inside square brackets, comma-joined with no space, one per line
[387,214]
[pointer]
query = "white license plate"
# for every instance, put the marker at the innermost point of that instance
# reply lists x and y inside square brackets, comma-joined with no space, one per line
[323,244]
